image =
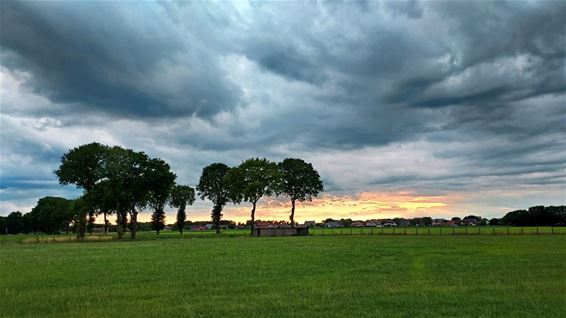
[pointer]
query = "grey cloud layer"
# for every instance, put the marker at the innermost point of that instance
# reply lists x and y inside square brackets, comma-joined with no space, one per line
[478,87]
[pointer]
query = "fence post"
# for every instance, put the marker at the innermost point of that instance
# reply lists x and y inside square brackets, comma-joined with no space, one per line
[416,231]
[466,230]
[453,231]
[493,230]
[322,232]
[522,230]
[393,231]
[479,230]
[371,231]
[429,230]
[440,231]
[537,230]
[350,231]
[552,229]
[507,230]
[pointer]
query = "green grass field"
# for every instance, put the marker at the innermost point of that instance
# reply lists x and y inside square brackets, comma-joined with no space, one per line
[316,276]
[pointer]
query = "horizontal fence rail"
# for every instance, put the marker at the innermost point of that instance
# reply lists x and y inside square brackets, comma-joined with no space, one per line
[317,231]
[433,230]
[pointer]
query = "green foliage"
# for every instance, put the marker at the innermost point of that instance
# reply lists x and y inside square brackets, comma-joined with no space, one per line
[158,220]
[537,215]
[212,186]
[158,180]
[299,181]
[181,196]
[252,180]
[2,225]
[15,223]
[50,215]
[83,166]
[79,209]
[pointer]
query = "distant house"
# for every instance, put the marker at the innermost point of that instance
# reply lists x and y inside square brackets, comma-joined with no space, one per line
[471,220]
[209,226]
[389,224]
[333,224]
[358,224]
[373,223]
[404,222]
[309,224]
[438,222]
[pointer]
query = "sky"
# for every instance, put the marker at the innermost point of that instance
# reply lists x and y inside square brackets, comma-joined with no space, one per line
[405,108]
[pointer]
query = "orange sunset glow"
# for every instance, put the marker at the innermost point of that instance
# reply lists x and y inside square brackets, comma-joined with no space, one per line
[365,205]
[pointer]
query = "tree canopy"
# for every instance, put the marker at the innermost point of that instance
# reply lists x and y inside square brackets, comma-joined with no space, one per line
[181,196]
[50,215]
[299,181]
[252,180]
[212,186]
[83,166]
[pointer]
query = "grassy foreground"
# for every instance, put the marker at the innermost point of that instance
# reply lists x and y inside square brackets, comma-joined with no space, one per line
[336,276]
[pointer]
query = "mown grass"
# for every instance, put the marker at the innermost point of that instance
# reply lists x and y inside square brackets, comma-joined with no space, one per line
[316,276]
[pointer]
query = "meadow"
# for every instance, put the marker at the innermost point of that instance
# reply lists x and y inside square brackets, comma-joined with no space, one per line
[315,276]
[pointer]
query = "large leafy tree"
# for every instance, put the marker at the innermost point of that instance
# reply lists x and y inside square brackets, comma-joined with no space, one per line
[252,180]
[104,201]
[159,180]
[78,208]
[3,228]
[299,181]
[14,223]
[50,215]
[181,196]
[83,166]
[127,181]
[212,186]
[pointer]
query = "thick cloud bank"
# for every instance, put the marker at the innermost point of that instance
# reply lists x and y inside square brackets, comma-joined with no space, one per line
[447,99]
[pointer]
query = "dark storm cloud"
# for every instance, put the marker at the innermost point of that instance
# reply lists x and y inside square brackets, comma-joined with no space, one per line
[124,60]
[478,86]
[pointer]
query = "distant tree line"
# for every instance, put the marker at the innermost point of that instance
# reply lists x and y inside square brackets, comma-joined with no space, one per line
[536,215]
[122,182]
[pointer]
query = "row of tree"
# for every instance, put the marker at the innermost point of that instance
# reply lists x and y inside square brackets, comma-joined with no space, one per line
[55,215]
[536,215]
[256,178]
[123,182]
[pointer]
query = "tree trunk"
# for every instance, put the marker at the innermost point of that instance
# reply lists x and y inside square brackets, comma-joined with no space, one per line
[253,218]
[134,223]
[292,213]
[119,228]
[90,221]
[216,215]
[81,231]
[105,223]
[124,221]
[217,225]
